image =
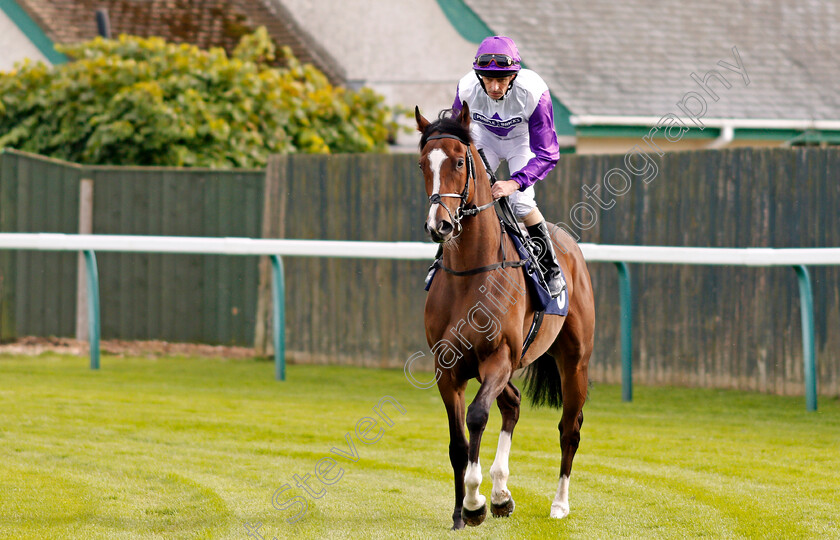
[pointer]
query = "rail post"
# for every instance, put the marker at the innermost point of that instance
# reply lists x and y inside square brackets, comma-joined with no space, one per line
[278,290]
[809,356]
[93,307]
[626,306]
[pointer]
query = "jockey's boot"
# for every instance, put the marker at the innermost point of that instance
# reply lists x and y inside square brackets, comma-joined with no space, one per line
[548,262]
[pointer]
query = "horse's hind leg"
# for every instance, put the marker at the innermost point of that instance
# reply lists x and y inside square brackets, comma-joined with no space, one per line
[453,399]
[495,373]
[501,501]
[576,344]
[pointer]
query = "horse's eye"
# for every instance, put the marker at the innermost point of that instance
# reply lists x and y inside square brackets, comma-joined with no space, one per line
[420,165]
[460,163]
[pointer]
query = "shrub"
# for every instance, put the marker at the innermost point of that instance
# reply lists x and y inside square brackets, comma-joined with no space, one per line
[136,101]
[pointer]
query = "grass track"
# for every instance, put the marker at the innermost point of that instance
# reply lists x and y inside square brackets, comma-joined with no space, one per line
[194,448]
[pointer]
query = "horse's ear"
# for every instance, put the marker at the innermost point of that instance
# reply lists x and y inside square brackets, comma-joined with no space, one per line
[464,116]
[422,123]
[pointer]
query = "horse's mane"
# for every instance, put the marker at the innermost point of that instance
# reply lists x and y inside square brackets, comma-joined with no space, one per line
[446,124]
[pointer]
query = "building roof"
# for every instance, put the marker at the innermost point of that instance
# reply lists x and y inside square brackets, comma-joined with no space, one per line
[636,57]
[21,38]
[205,23]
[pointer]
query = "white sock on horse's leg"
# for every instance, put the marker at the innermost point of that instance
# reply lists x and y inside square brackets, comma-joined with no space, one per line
[499,471]
[560,506]
[473,500]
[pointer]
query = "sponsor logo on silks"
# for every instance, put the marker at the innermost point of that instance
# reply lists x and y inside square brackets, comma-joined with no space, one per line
[496,124]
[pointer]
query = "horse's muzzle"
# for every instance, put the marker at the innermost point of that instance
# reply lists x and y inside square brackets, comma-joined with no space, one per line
[441,233]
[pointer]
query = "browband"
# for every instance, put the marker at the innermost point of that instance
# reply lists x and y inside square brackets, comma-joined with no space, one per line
[448,136]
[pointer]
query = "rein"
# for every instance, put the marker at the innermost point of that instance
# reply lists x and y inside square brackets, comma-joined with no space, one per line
[481,269]
[462,212]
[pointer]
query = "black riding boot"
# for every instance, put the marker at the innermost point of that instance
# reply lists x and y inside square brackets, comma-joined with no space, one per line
[548,262]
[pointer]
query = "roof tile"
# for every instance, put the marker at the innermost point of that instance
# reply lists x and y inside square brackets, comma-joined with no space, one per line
[205,23]
[635,58]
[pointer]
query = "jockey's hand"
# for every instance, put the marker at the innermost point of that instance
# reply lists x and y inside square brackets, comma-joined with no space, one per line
[504,188]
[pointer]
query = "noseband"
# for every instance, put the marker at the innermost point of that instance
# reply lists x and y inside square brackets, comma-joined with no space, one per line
[462,211]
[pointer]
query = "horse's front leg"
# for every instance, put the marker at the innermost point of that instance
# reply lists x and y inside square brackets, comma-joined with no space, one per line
[495,371]
[452,393]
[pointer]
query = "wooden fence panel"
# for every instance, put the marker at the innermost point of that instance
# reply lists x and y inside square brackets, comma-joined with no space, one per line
[38,195]
[727,327]
[340,310]
[709,326]
[191,298]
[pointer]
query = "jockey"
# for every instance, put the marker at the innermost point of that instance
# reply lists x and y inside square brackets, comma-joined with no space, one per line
[512,119]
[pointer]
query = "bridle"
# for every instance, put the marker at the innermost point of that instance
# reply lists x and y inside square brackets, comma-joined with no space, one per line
[462,211]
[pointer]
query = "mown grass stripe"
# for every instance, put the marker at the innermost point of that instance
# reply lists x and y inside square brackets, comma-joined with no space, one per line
[186,448]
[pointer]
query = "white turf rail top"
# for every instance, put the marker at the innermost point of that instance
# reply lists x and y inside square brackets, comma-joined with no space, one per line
[403,250]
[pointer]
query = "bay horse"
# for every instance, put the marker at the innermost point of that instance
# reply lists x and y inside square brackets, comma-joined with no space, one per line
[475,334]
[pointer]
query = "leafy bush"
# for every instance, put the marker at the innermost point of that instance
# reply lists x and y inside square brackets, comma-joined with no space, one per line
[136,101]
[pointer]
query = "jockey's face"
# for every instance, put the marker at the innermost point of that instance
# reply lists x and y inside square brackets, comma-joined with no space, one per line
[496,88]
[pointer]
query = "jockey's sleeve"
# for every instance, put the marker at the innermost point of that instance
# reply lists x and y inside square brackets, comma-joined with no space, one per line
[544,145]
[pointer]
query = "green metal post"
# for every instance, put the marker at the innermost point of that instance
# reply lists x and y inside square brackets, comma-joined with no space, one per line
[626,306]
[93,307]
[809,355]
[279,302]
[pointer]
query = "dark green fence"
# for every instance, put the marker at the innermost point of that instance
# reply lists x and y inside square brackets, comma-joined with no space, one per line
[174,297]
[715,326]
[342,310]
[37,289]
[710,326]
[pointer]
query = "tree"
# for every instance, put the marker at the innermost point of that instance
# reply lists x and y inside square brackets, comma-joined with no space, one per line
[136,101]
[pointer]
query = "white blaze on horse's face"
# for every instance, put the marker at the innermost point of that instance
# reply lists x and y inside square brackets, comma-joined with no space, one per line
[436,159]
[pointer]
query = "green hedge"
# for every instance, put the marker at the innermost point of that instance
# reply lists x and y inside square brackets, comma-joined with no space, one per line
[135,101]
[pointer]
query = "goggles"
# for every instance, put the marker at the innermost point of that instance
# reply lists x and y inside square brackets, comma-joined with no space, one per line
[501,60]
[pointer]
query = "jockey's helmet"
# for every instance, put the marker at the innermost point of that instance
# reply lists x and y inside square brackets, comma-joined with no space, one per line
[497,57]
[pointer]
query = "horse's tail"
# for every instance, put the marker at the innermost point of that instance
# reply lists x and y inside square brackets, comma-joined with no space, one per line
[542,383]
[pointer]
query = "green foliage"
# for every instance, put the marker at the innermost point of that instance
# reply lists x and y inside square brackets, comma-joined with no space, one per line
[135,101]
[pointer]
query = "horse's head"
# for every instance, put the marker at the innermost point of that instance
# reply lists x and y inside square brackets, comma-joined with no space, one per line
[448,166]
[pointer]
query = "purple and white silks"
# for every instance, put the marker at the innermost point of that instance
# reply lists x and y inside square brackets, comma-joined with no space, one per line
[499,126]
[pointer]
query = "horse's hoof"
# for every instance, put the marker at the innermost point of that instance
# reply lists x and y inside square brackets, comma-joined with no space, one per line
[559,510]
[502,510]
[474,518]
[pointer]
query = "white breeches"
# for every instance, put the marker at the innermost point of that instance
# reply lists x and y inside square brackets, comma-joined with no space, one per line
[517,153]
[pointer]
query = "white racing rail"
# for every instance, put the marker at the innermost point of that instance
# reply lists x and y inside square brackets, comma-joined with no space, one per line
[798,258]
[404,250]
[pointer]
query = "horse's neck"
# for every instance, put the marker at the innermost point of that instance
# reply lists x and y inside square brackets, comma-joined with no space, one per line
[479,242]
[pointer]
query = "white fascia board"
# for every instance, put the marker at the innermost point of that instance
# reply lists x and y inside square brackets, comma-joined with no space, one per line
[734,123]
